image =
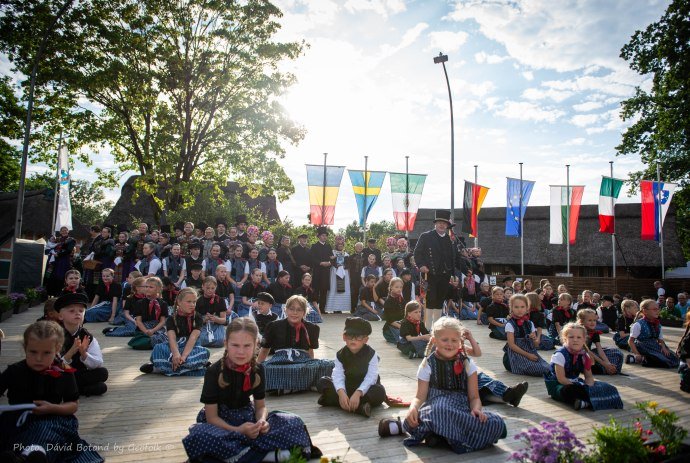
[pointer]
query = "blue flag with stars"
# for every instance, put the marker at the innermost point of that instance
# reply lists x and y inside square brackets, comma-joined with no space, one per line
[515,216]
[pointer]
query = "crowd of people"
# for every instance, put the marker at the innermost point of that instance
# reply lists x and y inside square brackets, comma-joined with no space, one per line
[263,305]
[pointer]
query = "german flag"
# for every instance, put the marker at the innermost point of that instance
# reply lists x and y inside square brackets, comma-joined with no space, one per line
[472,204]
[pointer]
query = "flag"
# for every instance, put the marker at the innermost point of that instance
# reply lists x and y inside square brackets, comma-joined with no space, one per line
[513,220]
[651,202]
[608,193]
[64,209]
[472,204]
[324,184]
[366,197]
[406,190]
[559,211]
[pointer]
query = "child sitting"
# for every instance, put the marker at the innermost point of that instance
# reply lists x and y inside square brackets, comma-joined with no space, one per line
[496,314]
[49,313]
[263,314]
[130,327]
[355,385]
[49,391]
[563,383]
[224,288]
[607,312]
[306,290]
[447,409]
[520,352]
[150,314]
[366,307]
[536,316]
[249,292]
[454,297]
[214,314]
[104,305]
[647,341]
[281,290]
[629,309]
[72,283]
[560,316]
[194,280]
[683,353]
[181,355]
[393,311]
[414,336]
[230,423]
[170,291]
[607,360]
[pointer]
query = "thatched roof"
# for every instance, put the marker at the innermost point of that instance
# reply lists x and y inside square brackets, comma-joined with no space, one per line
[37,218]
[144,208]
[591,248]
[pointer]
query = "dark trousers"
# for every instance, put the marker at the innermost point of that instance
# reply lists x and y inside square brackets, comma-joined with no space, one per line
[376,394]
[573,392]
[437,290]
[88,381]
[355,285]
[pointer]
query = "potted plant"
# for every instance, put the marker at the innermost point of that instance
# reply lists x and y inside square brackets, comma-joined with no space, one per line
[31,296]
[5,308]
[42,293]
[19,302]
[669,319]
[553,442]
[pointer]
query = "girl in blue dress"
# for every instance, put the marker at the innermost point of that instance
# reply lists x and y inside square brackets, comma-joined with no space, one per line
[646,340]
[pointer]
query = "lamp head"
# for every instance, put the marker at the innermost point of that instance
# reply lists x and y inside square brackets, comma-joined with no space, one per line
[441,58]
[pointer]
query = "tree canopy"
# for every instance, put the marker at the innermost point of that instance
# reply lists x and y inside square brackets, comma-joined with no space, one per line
[184,93]
[660,133]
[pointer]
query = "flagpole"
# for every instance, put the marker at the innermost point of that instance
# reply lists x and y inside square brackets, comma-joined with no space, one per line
[323,198]
[407,196]
[366,161]
[476,237]
[57,185]
[613,235]
[661,218]
[567,217]
[522,241]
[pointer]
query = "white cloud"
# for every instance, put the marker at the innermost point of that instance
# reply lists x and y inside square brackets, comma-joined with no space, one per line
[584,120]
[541,94]
[587,106]
[528,75]
[409,37]
[381,7]
[483,57]
[446,41]
[525,111]
[302,16]
[575,142]
[480,89]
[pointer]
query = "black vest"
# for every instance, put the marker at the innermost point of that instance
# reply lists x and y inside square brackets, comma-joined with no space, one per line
[81,333]
[356,366]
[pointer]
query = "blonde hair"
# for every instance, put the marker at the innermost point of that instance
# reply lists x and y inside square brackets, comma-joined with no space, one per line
[444,323]
[517,297]
[72,272]
[109,271]
[496,289]
[582,315]
[566,296]
[395,280]
[156,281]
[534,302]
[568,327]
[184,292]
[44,330]
[300,301]
[241,324]
[210,279]
[644,305]
[135,274]
[630,304]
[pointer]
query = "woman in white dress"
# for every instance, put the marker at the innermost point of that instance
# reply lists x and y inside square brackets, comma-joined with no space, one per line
[339,292]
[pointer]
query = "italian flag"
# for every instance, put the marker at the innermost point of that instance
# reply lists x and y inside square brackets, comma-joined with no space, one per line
[560,228]
[406,190]
[608,193]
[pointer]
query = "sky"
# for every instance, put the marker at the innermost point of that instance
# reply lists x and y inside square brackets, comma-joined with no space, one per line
[532,81]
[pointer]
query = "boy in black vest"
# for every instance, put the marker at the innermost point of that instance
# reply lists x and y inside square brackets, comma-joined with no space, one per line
[355,385]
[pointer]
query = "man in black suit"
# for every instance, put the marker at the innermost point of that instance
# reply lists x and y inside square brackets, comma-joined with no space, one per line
[302,257]
[371,249]
[321,253]
[435,255]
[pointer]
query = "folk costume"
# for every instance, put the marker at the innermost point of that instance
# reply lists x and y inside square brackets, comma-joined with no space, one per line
[517,363]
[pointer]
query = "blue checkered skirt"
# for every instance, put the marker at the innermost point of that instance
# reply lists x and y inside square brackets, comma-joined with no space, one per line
[127,330]
[295,370]
[212,335]
[417,346]
[362,312]
[313,315]
[614,356]
[99,313]
[621,341]
[496,387]
[651,348]
[603,396]
[545,343]
[206,440]
[243,310]
[279,309]
[195,365]
[521,365]
[447,414]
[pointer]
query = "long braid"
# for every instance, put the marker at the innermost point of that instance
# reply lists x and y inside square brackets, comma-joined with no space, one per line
[221,381]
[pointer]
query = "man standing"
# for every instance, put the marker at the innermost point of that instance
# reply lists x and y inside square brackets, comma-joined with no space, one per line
[371,249]
[241,224]
[302,256]
[321,253]
[355,263]
[435,256]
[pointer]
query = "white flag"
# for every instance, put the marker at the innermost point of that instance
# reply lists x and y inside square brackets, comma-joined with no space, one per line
[64,210]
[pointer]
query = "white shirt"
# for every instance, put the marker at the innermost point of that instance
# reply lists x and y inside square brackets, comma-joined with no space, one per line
[182,260]
[369,380]
[154,266]
[424,371]
[636,329]
[94,356]
[511,329]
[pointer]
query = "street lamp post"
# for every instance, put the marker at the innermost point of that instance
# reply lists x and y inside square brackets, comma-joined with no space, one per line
[441,58]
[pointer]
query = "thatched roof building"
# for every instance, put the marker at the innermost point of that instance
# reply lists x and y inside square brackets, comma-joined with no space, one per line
[591,254]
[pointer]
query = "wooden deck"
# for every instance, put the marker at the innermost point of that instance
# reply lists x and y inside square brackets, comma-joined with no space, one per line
[144,417]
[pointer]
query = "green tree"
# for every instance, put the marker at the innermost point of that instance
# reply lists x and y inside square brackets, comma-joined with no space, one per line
[185,93]
[661,131]
[10,128]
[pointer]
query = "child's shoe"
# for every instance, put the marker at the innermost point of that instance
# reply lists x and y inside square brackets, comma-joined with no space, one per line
[146,368]
[390,427]
[364,409]
[630,358]
[581,404]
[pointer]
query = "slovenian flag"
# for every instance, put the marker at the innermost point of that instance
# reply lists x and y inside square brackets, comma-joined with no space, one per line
[366,190]
[656,196]
[406,190]
[515,216]
[608,193]
[324,184]
[472,204]
[560,228]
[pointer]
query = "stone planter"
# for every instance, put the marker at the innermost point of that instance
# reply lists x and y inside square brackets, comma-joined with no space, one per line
[21,307]
[5,315]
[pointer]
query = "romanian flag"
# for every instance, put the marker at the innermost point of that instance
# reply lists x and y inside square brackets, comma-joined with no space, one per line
[472,204]
[608,193]
[563,223]
[324,184]
[367,186]
[406,190]
[656,198]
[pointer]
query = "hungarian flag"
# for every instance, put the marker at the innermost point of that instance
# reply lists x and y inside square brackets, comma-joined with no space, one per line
[656,198]
[324,184]
[608,193]
[560,227]
[406,190]
[472,204]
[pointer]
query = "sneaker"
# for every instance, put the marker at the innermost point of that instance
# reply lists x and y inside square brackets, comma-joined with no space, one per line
[108,330]
[412,355]
[364,409]
[36,457]
[492,335]
[95,389]
[390,427]
[322,384]
[518,392]
[146,368]
[581,404]
[322,400]
[630,358]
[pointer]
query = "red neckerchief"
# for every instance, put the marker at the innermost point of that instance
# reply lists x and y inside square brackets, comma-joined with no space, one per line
[533,309]
[298,328]
[189,317]
[521,320]
[139,296]
[256,285]
[591,333]
[399,299]
[57,369]
[566,312]
[417,325]
[243,369]
[586,360]
[458,364]
[172,293]
[307,290]
[107,287]
[220,261]
[155,306]
[70,289]
[286,286]
[654,322]
[213,299]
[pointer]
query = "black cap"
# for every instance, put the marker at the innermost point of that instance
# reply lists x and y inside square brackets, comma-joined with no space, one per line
[194,245]
[371,240]
[122,228]
[240,218]
[607,298]
[196,266]
[302,235]
[265,297]
[356,326]
[71,299]
[507,279]
[221,221]
[322,231]
[405,271]
[179,225]
[165,228]
[202,226]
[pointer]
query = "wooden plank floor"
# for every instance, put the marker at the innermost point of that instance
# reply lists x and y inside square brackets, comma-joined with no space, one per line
[144,417]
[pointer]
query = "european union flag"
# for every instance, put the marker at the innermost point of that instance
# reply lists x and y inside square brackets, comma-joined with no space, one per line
[514,215]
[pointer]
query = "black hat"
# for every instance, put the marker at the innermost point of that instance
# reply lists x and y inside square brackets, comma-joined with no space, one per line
[196,266]
[240,218]
[371,240]
[322,231]
[265,297]
[302,235]
[508,279]
[194,245]
[165,235]
[71,299]
[356,326]
[442,215]
[179,225]
[607,298]
[165,228]
[122,228]
[221,221]
[202,226]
